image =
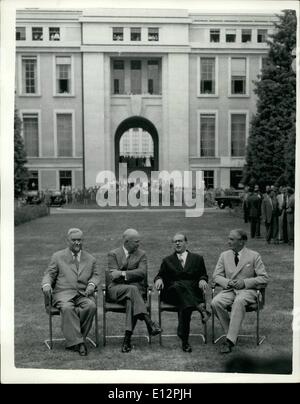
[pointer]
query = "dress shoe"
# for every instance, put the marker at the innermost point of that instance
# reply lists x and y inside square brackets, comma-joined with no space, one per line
[226,347]
[126,346]
[73,348]
[186,347]
[82,349]
[154,329]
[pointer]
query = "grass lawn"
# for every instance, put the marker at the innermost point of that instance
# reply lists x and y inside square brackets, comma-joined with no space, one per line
[37,240]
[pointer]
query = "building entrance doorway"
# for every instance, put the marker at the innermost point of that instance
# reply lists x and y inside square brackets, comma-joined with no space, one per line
[136,143]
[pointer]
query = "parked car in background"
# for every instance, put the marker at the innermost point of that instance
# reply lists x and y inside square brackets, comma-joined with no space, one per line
[33,198]
[232,200]
[56,198]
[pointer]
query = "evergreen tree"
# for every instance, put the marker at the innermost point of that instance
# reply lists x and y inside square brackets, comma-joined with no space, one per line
[270,157]
[20,171]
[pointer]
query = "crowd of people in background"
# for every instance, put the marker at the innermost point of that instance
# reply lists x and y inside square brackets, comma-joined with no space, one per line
[275,209]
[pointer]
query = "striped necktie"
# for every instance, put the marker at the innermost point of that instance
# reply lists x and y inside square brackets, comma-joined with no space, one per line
[181,260]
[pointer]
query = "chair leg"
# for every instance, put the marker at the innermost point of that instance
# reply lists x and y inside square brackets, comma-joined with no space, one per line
[96,328]
[159,322]
[50,330]
[104,327]
[213,327]
[257,327]
[205,333]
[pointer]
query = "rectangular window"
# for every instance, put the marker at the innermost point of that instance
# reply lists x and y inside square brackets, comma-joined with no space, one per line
[29,74]
[65,179]
[54,34]
[230,35]
[246,35]
[209,179]
[64,135]
[135,34]
[20,34]
[33,181]
[238,135]
[262,35]
[63,74]
[207,72]
[207,135]
[214,35]
[136,76]
[31,134]
[37,33]
[118,77]
[153,34]
[238,76]
[118,34]
[153,76]
[236,178]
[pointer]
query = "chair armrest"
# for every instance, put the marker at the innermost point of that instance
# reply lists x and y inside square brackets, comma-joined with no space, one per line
[47,299]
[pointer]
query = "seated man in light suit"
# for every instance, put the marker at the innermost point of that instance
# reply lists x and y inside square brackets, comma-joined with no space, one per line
[126,281]
[72,277]
[239,271]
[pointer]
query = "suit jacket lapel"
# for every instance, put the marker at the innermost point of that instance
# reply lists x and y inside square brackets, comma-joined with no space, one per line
[240,264]
[71,261]
[81,262]
[176,262]
[187,261]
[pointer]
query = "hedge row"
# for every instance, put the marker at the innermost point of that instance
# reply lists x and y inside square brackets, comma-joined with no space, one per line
[30,212]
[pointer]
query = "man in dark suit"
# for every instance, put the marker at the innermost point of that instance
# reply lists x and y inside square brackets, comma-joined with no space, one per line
[182,279]
[269,210]
[290,212]
[71,278]
[126,281]
[254,207]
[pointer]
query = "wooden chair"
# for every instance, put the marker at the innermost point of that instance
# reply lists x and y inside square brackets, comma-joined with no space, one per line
[112,307]
[255,307]
[53,311]
[162,306]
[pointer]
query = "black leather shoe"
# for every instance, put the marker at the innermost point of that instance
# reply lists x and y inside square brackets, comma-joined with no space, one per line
[186,347]
[154,329]
[126,346]
[82,349]
[226,347]
[73,348]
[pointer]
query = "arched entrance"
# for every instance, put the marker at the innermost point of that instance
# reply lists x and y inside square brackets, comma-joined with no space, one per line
[136,143]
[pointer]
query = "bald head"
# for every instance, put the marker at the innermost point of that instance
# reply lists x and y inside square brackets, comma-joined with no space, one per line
[131,240]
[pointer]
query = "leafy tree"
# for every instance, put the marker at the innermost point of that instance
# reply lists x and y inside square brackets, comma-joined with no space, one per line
[20,171]
[270,157]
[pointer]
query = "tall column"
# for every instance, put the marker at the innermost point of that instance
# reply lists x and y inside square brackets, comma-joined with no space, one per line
[176,112]
[94,116]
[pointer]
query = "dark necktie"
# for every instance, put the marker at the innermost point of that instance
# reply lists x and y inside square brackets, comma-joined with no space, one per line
[76,260]
[127,262]
[236,258]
